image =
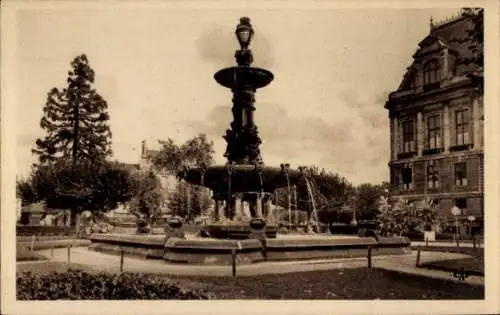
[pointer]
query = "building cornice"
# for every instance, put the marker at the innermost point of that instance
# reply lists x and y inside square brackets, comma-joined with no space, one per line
[413,99]
[440,195]
[416,159]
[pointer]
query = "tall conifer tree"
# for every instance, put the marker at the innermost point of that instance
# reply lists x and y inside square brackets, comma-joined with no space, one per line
[75,120]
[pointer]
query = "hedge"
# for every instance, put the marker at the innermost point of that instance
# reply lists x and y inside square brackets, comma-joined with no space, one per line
[27,230]
[80,285]
[54,244]
[439,236]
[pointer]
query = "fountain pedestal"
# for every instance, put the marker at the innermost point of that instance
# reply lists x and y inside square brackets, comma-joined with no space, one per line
[173,229]
[251,211]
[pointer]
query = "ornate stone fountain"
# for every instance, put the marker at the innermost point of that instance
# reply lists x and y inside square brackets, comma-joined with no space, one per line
[245,178]
[241,234]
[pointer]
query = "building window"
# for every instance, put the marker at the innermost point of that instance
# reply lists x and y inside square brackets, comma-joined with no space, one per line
[462,126]
[408,136]
[394,178]
[461,174]
[406,178]
[432,177]
[412,81]
[433,132]
[461,203]
[431,72]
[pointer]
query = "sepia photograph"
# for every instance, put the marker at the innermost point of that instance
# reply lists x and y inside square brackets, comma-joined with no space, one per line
[229,152]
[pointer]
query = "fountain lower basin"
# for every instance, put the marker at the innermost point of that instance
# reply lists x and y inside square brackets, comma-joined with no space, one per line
[237,231]
[211,251]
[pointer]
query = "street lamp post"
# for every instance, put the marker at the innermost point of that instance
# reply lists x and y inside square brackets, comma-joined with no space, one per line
[354,222]
[455,211]
[471,219]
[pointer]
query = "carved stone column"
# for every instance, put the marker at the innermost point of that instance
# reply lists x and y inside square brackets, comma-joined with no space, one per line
[476,123]
[446,68]
[221,210]
[232,209]
[238,207]
[266,206]
[258,206]
[420,134]
[246,209]
[446,128]
[226,209]
[217,214]
[395,137]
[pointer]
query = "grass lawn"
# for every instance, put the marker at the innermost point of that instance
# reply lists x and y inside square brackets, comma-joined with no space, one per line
[23,254]
[325,284]
[339,284]
[459,250]
[473,264]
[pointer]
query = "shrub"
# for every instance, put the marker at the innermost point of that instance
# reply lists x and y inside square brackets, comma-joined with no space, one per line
[80,285]
[406,218]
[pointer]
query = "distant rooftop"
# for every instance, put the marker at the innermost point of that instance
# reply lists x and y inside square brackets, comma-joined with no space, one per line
[448,20]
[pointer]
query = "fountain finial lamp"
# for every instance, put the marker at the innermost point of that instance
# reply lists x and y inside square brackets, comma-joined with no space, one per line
[244,32]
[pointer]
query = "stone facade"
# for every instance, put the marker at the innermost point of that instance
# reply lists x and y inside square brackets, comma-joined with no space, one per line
[436,125]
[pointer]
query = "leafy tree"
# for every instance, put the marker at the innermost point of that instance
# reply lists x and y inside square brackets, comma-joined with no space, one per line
[25,191]
[367,199]
[75,119]
[475,35]
[200,202]
[177,200]
[195,152]
[72,171]
[189,201]
[147,197]
[113,184]
[330,192]
[474,38]
[62,185]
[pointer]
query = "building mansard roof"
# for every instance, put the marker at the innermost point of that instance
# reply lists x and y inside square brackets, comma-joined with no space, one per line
[450,40]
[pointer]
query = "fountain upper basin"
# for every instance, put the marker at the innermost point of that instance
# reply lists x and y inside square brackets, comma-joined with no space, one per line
[243,76]
[244,178]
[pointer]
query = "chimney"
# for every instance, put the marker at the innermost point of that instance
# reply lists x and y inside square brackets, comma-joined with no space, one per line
[143,149]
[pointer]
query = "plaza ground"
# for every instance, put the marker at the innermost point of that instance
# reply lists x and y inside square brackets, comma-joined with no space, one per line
[392,277]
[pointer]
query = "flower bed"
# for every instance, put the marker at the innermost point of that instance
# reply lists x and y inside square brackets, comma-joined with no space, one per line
[81,285]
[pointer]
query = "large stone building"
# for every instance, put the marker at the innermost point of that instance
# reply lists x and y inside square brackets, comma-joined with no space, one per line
[436,124]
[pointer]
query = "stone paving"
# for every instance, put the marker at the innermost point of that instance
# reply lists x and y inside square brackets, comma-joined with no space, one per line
[401,263]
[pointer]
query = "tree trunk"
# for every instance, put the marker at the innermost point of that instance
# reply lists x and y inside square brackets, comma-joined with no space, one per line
[76,114]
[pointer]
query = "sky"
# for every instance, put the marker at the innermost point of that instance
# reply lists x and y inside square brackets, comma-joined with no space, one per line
[333,68]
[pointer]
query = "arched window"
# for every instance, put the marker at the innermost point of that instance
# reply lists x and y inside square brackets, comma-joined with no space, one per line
[431,72]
